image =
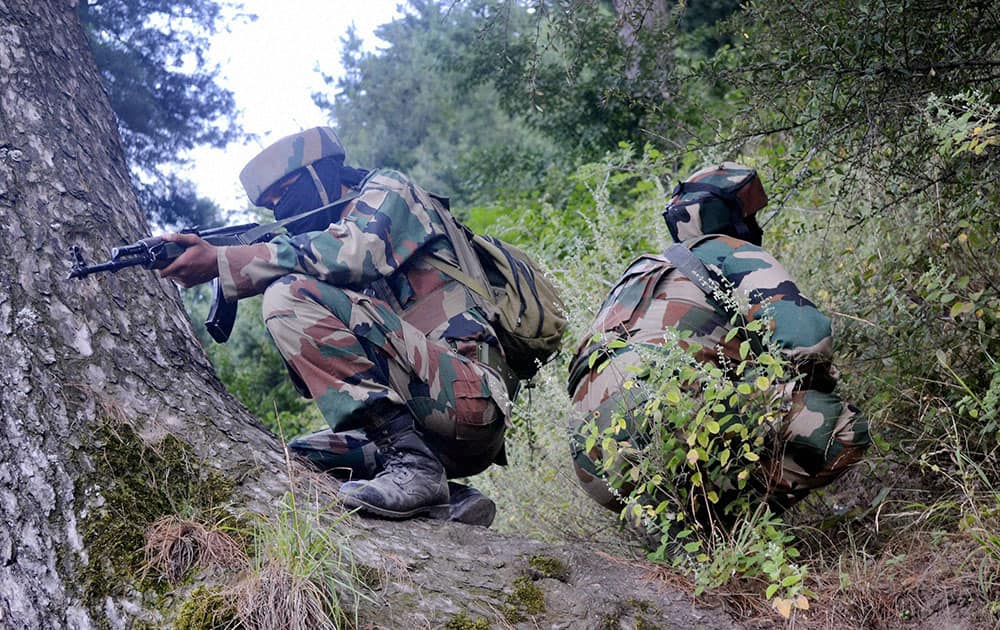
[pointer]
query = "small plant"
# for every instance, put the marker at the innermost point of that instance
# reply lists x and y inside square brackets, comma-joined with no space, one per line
[206,609]
[548,567]
[692,463]
[301,572]
[758,547]
[462,621]
[526,600]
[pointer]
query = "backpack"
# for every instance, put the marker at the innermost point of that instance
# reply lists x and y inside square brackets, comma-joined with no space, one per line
[512,290]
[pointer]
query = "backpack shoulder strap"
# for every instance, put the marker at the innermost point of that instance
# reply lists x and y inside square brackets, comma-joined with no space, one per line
[459,275]
[470,271]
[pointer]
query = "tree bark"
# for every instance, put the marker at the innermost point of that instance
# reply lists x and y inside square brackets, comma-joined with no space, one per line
[87,363]
[644,26]
[78,354]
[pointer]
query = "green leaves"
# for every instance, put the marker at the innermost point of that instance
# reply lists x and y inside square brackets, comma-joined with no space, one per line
[166,102]
[699,437]
[673,395]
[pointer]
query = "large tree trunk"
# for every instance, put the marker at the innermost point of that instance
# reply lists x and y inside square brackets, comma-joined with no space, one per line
[81,355]
[111,415]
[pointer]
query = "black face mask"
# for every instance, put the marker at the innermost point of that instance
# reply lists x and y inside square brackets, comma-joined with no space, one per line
[302,196]
[297,198]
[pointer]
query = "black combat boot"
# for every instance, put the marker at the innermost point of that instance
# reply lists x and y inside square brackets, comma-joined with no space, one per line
[470,506]
[412,481]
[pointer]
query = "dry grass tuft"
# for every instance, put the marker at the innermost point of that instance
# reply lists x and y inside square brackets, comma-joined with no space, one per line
[175,546]
[915,581]
[274,597]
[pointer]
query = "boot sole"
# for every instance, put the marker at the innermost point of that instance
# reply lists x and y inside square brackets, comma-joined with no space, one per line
[439,512]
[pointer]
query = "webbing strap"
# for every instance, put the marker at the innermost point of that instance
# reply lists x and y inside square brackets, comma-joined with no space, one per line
[268,229]
[470,271]
[380,289]
[709,282]
[458,275]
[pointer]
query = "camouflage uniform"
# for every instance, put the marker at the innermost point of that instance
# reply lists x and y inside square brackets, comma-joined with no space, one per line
[367,325]
[822,434]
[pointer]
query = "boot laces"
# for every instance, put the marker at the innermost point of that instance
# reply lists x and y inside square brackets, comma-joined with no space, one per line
[393,461]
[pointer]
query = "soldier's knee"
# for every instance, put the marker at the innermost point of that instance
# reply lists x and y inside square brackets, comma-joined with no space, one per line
[303,297]
[474,452]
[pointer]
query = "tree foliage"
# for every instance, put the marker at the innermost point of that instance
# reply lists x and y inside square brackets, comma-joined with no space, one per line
[866,83]
[408,106]
[152,58]
[483,98]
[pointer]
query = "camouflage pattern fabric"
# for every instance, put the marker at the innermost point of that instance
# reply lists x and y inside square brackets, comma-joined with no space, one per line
[286,156]
[345,454]
[357,354]
[822,434]
[692,213]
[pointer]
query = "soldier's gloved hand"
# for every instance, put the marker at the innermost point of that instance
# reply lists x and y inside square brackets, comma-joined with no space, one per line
[199,263]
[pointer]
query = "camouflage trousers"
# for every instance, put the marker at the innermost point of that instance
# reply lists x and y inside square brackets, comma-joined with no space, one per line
[822,436]
[345,454]
[362,364]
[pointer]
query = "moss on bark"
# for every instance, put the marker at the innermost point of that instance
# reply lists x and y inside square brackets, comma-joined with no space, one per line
[132,484]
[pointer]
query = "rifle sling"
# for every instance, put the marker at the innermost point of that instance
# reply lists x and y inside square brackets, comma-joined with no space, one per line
[692,268]
[269,229]
[710,283]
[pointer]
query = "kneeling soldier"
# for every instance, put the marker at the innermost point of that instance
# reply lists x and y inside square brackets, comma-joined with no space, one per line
[401,362]
[664,299]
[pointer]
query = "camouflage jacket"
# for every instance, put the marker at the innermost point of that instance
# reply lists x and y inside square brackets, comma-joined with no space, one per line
[822,435]
[652,297]
[386,233]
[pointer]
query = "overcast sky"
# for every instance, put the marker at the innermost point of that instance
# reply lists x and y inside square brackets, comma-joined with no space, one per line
[269,65]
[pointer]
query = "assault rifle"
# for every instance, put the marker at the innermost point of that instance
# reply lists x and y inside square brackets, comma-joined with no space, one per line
[156,253]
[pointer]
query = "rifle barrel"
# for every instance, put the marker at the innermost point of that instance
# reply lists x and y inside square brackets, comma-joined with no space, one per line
[111,265]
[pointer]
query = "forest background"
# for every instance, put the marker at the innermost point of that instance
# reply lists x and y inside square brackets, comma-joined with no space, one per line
[562,126]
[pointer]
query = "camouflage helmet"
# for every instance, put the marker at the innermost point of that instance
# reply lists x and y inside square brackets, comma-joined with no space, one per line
[718,199]
[286,156]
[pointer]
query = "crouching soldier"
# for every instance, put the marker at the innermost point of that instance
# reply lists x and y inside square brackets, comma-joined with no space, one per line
[404,367]
[668,299]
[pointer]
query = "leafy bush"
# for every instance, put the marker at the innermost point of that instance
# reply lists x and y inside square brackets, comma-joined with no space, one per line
[691,464]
